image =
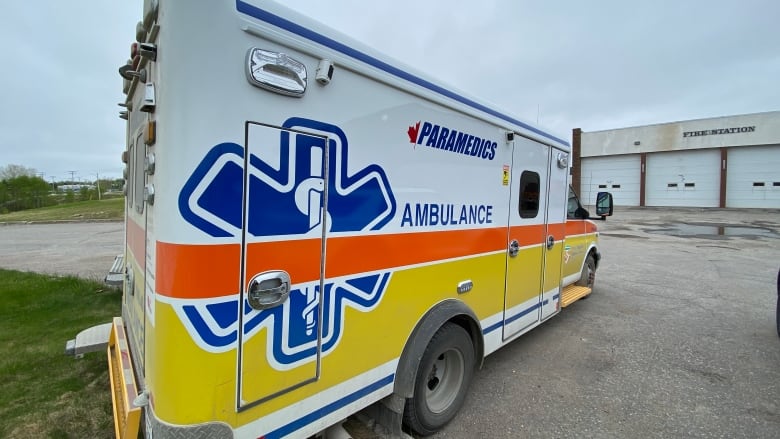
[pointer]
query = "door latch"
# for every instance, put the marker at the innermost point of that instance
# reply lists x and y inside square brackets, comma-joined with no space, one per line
[269,289]
[514,248]
[550,242]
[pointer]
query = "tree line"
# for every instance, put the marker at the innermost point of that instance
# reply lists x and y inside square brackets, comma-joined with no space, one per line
[22,188]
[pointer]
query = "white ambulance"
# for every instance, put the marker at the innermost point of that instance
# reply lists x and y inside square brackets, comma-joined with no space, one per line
[313,228]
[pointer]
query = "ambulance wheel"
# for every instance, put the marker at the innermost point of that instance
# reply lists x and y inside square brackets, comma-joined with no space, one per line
[443,378]
[588,276]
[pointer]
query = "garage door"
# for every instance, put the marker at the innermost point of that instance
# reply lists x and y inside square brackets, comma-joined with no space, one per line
[618,174]
[753,177]
[683,178]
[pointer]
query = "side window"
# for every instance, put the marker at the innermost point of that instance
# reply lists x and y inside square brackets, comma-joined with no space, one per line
[139,174]
[130,181]
[529,194]
[572,205]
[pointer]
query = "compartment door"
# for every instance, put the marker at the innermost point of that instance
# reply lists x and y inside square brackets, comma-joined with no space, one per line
[282,262]
[527,235]
[555,255]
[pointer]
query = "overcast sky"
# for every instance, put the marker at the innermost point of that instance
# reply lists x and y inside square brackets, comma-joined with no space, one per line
[590,64]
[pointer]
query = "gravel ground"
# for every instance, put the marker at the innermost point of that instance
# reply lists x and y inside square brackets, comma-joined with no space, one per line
[83,249]
[678,339]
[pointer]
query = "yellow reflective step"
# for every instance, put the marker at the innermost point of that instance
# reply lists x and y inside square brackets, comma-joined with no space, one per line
[573,293]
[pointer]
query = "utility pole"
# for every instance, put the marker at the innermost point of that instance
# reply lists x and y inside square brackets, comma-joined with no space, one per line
[38,202]
[72,178]
[97,182]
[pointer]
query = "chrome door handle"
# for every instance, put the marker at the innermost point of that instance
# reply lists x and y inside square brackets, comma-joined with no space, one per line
[514,248]
[550,242]
[268,289]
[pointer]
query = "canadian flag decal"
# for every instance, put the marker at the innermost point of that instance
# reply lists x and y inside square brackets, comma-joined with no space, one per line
[413,131]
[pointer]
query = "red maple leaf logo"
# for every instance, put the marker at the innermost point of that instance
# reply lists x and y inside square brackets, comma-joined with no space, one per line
[413,131]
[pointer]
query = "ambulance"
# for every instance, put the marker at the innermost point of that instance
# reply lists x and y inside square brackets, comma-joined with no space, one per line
[314,229]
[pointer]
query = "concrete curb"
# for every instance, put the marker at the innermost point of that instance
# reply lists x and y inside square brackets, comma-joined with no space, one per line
[17,223]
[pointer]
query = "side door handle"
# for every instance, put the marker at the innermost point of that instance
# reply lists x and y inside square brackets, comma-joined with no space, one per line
[514,248]
[268,289]
[550,242]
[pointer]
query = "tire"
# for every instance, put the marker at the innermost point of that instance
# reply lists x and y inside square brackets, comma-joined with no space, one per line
[588,276]
[442,380]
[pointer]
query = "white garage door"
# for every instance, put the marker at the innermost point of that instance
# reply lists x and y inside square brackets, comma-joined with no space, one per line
[753,177]
[683,178]
[618,174]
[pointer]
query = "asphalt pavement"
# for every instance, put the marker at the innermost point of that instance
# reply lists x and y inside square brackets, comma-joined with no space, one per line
[678,339]
[82,249]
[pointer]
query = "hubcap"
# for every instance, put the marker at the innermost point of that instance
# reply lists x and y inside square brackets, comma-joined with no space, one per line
[444,380]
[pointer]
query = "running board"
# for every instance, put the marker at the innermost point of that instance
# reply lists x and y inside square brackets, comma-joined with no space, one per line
[573,293]
[116,274]
[89,340]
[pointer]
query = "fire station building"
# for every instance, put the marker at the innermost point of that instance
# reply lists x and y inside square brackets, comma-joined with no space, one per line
[731,161]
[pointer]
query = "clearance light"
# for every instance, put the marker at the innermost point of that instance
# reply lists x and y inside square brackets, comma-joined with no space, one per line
[150,133]
[275,71]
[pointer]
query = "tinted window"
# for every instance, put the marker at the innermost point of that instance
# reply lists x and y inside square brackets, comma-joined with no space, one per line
[130,180]
[138,190]
[572,205]
[529,194]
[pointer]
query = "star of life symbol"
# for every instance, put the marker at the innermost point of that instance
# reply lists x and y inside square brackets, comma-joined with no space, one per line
[288,180]
[287,195]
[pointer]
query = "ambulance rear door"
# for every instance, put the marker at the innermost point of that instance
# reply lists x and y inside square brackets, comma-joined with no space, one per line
[285,187]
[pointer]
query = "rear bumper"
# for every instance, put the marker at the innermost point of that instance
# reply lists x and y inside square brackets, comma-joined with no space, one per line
[123,386]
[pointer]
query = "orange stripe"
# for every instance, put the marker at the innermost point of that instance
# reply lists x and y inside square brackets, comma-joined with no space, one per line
[300,259]
[558,231]
[201,271]
[359,254]
[580,227]
[197,271]
[136,240]
[527,235]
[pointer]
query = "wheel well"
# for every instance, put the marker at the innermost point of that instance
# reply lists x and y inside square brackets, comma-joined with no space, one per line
[596,256]
[475,331]
[450,310]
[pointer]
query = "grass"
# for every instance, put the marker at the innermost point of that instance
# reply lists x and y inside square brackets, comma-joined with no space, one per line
[112,208]
[44,393]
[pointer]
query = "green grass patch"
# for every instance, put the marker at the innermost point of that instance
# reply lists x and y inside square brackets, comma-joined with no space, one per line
[112,208]
[44,393]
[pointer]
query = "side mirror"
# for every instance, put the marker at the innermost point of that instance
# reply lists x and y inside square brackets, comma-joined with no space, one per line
[603,204]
